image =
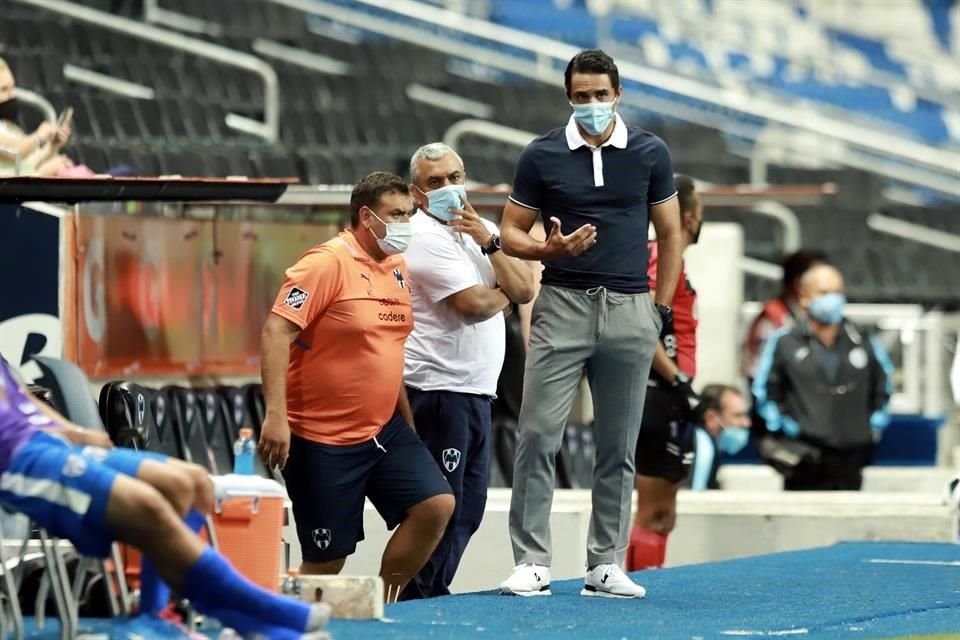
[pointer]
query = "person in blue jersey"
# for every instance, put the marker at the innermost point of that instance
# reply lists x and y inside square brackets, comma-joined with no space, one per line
[596,183]
[723,430]
[823,386]
[74,484]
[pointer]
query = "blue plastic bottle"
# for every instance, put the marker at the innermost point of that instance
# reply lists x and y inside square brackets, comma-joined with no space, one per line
[243,451]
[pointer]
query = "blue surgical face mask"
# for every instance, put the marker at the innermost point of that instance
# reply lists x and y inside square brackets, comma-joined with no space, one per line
[594,117]
[443,200]
[732,440]
[397,239]
[827,308]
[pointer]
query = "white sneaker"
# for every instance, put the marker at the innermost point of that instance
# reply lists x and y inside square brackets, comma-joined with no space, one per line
[527,580]
[609,581]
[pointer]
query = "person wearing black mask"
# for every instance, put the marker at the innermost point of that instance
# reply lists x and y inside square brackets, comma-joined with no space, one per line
[38,153]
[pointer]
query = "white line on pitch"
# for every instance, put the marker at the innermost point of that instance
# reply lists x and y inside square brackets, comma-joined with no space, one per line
[745,632]
[939,563]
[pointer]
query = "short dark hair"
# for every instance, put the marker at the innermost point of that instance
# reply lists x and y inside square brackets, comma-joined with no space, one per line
[798,263]
[685,188]
[368,191]
[591,61]
[711,397]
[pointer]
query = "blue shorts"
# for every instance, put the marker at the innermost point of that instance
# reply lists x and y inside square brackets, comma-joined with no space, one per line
[328,484]
[65,488]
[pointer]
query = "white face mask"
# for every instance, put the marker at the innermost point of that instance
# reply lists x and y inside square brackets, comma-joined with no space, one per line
[397,239]
[594,117]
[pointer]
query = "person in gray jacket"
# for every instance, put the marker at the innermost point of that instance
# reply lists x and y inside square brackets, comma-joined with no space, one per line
[823,387]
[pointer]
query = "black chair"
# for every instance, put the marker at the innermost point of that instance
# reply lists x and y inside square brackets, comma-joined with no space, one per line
[188,420]
[239,412]
[170,442]
[137,418]
[216,431]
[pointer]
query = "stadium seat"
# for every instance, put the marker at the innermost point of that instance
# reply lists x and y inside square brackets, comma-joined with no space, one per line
[188,420]
[71,391]
[243,408]
[136,417]
[216,430]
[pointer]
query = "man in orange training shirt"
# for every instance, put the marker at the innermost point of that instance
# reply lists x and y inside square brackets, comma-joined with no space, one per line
[338,422]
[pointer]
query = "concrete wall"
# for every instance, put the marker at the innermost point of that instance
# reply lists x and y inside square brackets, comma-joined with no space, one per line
[711,526]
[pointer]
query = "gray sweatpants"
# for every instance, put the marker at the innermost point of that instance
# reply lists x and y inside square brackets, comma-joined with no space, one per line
[613,336]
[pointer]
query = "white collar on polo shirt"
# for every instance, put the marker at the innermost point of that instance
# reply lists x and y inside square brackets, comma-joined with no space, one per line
[618,138]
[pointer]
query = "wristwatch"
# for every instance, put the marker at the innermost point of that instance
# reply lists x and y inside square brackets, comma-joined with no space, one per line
[666,313]
[681,378]
[492,247]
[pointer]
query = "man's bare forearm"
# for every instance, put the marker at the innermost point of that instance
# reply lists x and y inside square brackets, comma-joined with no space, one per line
[274,361]
[669,263]
[514,276]
[518,243]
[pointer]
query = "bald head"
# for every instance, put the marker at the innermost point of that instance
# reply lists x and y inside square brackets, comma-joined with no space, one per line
[818,280]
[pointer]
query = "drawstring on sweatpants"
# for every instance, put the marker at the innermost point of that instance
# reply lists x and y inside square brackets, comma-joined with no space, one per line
[379,446]
[601,294]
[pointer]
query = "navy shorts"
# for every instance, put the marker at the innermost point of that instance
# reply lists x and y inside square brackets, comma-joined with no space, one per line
[328,484]
[65,488]
[666,443]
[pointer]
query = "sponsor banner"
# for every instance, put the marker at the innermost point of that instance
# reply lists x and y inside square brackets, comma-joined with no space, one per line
[157,296]
[29,305]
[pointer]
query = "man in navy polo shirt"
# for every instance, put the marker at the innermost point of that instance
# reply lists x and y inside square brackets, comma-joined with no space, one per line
[597,184]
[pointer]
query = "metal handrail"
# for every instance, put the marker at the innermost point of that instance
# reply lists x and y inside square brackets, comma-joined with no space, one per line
[486,129]
[268,129]
[37,101]
[914,232]
[549,51]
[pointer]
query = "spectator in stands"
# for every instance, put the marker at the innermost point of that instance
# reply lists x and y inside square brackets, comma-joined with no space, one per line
[665,445]
[602,181]
[824,386]
[38,153]
[461,287]
[74,484]
[723,428]
[332,358]
[782,311]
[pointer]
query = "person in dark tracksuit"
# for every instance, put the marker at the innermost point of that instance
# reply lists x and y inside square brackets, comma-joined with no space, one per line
[461,286]
[825,385]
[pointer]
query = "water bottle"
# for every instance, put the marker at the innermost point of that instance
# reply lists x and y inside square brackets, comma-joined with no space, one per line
[243,452]
[291,583]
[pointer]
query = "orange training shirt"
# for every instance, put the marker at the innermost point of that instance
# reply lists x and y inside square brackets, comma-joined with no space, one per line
[346,365]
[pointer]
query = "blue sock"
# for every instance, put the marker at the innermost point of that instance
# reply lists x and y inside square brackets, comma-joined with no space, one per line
[212,584]
[154,593]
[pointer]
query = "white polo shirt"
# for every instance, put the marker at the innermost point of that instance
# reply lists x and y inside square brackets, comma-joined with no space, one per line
[444,351]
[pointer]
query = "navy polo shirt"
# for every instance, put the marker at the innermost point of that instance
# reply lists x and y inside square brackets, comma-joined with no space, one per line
[611,187]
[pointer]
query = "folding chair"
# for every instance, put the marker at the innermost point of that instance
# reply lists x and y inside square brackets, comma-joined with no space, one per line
[55,579]
[71,396]
[10,592]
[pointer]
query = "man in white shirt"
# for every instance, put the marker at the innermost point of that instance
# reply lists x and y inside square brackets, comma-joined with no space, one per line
[461,285]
